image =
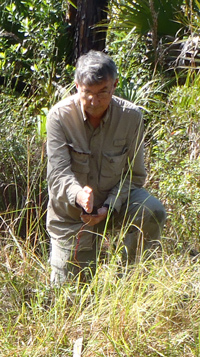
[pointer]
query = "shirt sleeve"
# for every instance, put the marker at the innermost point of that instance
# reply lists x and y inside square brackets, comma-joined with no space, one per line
[61,180]
[135,173]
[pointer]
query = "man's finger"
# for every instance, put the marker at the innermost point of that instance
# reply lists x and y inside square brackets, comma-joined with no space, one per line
[90,199]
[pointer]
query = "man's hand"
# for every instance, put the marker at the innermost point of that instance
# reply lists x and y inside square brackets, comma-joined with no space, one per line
[85,199]
[91,220]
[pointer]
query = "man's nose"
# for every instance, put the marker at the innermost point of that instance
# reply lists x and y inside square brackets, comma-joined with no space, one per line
[94,100]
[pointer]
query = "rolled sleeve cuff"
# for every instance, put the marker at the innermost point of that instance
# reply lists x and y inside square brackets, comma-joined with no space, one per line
[72,193]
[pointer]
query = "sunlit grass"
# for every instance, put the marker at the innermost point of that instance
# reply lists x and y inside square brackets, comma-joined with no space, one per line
[151,310]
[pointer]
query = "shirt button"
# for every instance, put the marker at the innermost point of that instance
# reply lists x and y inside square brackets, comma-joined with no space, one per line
[92,156]
[91,177]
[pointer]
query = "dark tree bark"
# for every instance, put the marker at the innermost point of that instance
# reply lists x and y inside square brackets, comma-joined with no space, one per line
[87,35]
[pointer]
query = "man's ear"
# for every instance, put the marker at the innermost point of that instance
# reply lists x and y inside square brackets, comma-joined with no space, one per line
[76,84]
[116,82]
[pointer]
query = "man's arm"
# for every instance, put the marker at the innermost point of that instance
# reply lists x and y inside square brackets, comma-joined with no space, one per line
[61,180]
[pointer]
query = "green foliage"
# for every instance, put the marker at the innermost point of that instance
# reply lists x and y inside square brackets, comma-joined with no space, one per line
[34,45]
[166,29]
[175,155]
[128,53]
[35,41]
[143,15]
[136,82]
[23,189]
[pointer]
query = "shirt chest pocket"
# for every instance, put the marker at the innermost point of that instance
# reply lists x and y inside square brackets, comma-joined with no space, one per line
[112,166]
[79,162]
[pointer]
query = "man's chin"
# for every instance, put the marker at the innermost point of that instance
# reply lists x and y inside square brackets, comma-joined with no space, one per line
[97,111]
[94,109]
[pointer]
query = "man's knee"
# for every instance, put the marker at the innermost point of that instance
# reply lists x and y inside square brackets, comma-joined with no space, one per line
[146,227]
[143,204]
[157,212]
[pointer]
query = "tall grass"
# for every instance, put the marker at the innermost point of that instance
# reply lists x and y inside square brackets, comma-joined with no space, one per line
[152,310]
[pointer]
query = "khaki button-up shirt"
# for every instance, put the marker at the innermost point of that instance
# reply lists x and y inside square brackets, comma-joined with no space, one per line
[109,158]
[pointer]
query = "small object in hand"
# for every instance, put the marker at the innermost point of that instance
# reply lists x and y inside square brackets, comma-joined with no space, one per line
[93,213]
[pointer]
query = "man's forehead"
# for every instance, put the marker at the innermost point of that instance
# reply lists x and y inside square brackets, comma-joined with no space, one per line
[97,86]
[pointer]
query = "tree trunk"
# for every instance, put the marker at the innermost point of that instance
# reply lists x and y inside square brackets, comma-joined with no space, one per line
[87,36]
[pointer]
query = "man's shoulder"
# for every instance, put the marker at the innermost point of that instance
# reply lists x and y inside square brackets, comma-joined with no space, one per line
[66,104]
[126,106]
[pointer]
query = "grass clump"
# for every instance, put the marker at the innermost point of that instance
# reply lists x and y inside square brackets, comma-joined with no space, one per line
[151,310]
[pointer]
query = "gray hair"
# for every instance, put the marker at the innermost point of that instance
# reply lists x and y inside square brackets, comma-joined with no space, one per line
[94,67]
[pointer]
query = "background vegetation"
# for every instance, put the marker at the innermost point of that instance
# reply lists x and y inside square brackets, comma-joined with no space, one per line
[153,308]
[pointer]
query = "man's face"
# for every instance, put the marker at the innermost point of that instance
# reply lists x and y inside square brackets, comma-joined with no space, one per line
[96,98]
